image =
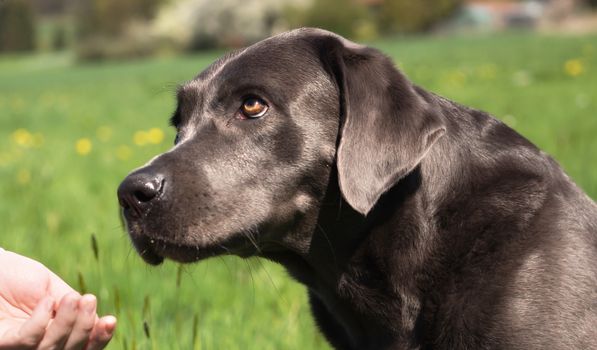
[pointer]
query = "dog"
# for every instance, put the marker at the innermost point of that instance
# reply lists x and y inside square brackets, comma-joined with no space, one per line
[414,222]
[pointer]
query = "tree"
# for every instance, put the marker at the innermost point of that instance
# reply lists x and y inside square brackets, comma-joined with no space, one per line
[109,17]
[17,26]
[339,16]
[105,28]
[414,16]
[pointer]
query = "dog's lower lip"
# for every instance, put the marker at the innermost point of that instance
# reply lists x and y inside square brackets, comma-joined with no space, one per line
[144,244]
[146,248]
[151,257]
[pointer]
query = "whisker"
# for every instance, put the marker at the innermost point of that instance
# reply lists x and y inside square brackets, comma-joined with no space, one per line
[249,233]
[269,277]
[252,281]
[226,265]
[329,245]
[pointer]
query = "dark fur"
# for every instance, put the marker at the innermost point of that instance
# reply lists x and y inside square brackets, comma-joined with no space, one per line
[415,222]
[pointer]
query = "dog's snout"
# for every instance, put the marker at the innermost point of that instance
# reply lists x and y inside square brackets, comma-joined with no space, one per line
[139,190]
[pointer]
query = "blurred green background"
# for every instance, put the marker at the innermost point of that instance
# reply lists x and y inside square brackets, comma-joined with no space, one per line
[86,89]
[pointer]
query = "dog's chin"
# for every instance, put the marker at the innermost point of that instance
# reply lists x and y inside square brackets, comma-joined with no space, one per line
[146,249]
[154,250]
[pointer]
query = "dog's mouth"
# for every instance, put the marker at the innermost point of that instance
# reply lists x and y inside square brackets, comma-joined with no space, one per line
[154,250]
[146,248]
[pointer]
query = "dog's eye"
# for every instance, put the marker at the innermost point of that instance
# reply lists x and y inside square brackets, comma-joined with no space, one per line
[253,107]
[176,139]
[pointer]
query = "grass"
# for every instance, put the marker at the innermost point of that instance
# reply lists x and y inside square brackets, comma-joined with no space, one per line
[70,133]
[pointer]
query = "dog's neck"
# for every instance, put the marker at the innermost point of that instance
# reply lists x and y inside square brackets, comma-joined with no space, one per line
[343,264]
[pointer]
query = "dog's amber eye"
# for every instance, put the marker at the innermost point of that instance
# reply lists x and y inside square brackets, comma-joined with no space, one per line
[253,108]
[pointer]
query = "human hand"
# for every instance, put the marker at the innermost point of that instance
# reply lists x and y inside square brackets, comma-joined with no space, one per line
[38,310]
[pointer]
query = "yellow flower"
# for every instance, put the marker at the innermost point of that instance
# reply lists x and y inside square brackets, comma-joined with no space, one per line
[83,146]
[155,135]
[22,137]
[23,177]
[574,67]
[104,133]
[140,138]
[123,152]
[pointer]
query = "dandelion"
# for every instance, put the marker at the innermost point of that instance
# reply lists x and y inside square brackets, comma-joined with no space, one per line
[104,133]
[155,135]
[23,177]
[123,152]
[140,138]
[22,137]
[83,146]
[574,67]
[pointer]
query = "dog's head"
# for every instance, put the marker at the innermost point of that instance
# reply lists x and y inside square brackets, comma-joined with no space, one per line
[258,133]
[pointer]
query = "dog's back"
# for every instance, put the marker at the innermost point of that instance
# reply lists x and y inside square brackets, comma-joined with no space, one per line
[521,243]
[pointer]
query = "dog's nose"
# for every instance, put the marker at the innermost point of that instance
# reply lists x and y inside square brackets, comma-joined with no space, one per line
[139,190]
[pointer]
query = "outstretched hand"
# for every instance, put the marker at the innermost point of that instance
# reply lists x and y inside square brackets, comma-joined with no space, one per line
[38,310]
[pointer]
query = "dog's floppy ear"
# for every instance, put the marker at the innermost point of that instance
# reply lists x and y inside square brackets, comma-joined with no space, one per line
[387,128]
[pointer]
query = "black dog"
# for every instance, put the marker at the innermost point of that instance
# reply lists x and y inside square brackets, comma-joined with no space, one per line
[415,222]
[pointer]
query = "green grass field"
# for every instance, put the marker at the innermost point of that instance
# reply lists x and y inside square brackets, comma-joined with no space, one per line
[69,133]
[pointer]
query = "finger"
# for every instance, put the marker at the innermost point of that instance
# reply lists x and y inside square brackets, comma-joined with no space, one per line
[58,288]
[62,325]
[84,324]
[33,330]
[102,333]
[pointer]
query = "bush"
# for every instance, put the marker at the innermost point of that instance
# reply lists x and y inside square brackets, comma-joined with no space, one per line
[205,24]
[134,41]
[17,26]
[59,38]
[111,17]
[346,18]
[114,28]
[354,19]
[409,16]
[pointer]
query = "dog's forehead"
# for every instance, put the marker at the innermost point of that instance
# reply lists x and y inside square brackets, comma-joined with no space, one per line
[275,57]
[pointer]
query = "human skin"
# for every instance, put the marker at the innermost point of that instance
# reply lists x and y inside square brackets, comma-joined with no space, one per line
[38,310]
